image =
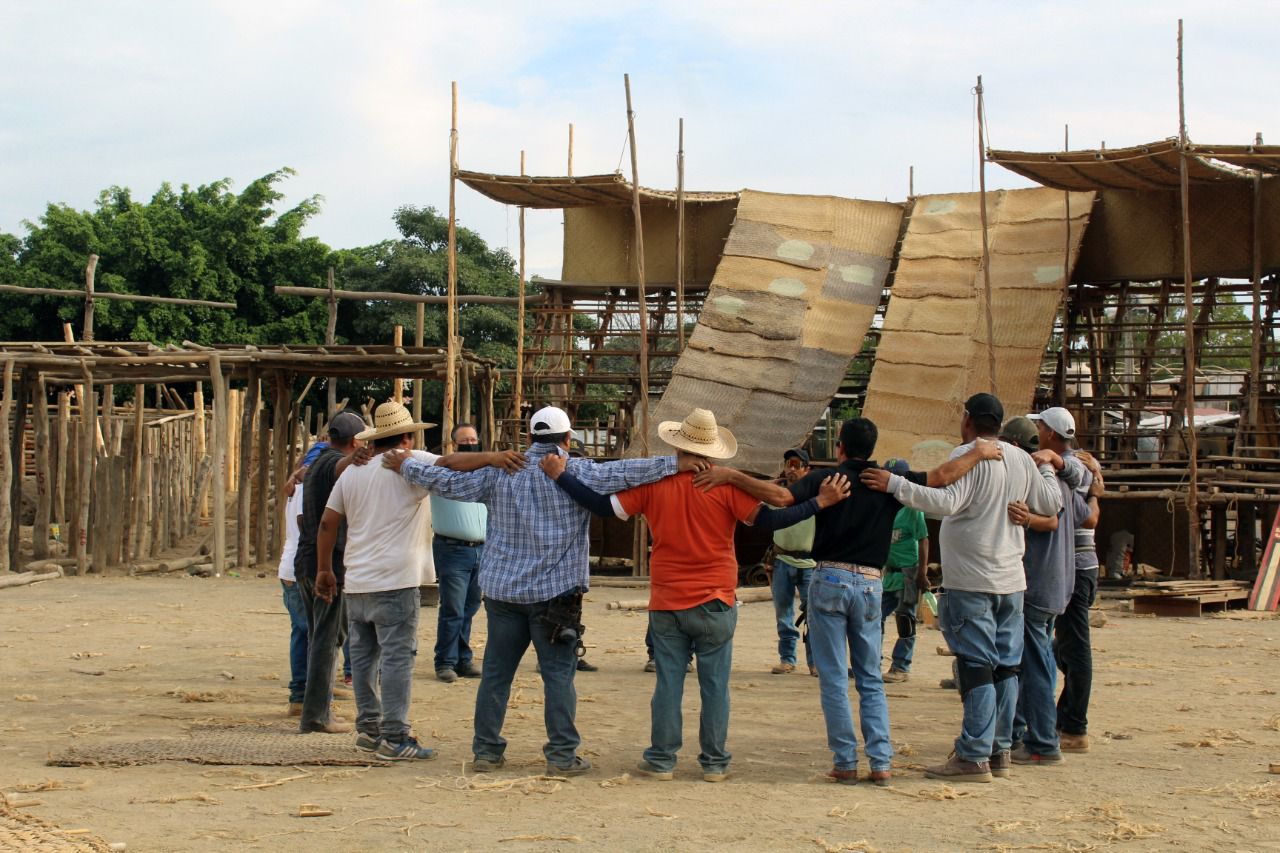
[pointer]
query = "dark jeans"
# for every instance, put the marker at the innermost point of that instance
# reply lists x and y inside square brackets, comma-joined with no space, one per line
[705,631]
[512,627]
[297,639]
[327,631]
[1074,653]
[458,572]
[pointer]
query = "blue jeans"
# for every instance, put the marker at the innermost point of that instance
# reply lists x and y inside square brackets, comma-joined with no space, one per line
[705,631]
[902,600]
[985,632]
[384,643]
[512,627]
[787,581]
[457,570]
[1037,715]
[297,640]
[844,611]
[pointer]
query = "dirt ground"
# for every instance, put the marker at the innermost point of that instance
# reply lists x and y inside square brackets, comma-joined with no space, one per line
[1185,718]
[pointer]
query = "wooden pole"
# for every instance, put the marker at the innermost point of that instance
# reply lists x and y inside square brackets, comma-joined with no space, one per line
[18,457]
[1255,360]
[6,468]
[244,487]
[518,401]
[60,463]
[643,403]
[279,455]
[88,436]
[419,324]
[90,272]
[680,239]
[986,245]
[570,172]
[397,384]
[330,338]
[112,297]
[135,471]
[1189,354]
[200,448]
[219,463]
[1065,305]
[451,320]
[260,516]
[44,481]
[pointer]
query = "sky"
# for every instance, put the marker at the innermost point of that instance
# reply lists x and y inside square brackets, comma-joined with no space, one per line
[836,98]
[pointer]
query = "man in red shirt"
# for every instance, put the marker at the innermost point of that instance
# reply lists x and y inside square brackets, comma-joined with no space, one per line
[693,575]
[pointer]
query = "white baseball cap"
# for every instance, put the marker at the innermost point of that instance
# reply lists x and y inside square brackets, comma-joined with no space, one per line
[1057,419]
[550,420]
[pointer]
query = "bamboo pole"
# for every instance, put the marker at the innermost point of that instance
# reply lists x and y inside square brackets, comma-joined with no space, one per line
[451,320]
[260,517]
[90,296]
[680,239]
[279,455]
[419,327]
[6,467]
[986,245]
[88,434]
[135,470]
[219,464]
[1189,352]
[570,172]
[330,338]
[90,271]
[392,296]
[643,403]
[244,489]
[44,481]
[108,409]
[518,399]
[60,463]
[1255,361]
[397,384]
[18,458]
[199,447]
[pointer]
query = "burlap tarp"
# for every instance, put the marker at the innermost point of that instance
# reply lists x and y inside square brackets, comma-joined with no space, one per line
[933,349]
[792,299]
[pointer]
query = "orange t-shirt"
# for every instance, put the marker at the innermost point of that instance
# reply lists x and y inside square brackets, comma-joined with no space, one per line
[693,558]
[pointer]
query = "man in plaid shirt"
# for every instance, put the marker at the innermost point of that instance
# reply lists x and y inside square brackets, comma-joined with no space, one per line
[535,553]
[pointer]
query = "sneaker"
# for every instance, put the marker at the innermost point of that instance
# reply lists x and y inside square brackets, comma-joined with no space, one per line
[333,726]
[956,769]
[782,668]
[488,765]
[295,709]
[405,750]
[843,777]
[446,675]
[1073,743]
[579,766]
[644,768]
[894,676]
[583,666]
[716,775]
[467,670]
[880,778]
[368,743]
[1022,755]
[1000,764]
[650,665]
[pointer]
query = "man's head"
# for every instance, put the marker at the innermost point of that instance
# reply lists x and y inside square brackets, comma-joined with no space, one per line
[699,435]
[1022,433]
[795,464]
[577,449]
[344,429]
[1057,428]
[393,427]
[465,438]
[858,439]
[551,425]
[982,417]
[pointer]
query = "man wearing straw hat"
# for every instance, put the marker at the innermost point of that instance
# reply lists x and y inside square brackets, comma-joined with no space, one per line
[533,573]
[692,584]
[387,558]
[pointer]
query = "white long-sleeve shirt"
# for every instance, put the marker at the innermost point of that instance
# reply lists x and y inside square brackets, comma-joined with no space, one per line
[981,548]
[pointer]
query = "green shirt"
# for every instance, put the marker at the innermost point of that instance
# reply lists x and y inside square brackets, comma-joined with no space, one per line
[904,548]
[797,537]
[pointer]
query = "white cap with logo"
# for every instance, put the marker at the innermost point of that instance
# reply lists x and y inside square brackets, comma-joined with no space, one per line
[1057,419]
[550,420]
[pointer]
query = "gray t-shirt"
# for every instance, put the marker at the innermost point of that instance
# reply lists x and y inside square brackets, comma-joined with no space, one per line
[1049,560]
[981,548]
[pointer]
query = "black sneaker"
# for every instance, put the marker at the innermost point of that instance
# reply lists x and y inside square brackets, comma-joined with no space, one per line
[367,742]
[447,675]
[405,750]
[467,670]
[583,666]
[579,766]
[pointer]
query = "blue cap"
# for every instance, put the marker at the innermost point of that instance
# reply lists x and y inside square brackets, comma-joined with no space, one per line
[315,451]
[897,466]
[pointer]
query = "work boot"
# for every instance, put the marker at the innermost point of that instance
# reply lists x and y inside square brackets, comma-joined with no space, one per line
[579,766]
[782,668]
[843,777]
[583,666]
[488,765]
[880,778]
[644,768]
[1073,743]
[1000,764]
[894,675]
[1022,755]
[956,769]
[335,725]
[446,674]
[467,670]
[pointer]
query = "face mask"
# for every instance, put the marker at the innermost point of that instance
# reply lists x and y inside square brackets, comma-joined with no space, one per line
[469,448]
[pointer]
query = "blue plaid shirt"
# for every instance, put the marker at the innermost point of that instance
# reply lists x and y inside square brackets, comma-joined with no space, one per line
[537,539]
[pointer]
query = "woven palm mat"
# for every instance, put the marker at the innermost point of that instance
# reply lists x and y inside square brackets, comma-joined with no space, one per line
[277,745]
[19,831]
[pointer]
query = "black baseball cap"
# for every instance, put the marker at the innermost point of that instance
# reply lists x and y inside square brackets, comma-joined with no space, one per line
[797,453]
[345,426]
[984,406]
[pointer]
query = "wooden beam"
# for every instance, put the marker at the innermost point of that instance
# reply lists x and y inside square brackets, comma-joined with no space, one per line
[6,469]
[90,273]
[116,297]
[451,310]
[393,296]
[1189,354]
[219,464]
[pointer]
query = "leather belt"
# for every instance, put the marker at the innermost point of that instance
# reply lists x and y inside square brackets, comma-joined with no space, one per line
[854,568]
[450,540]
[797,554]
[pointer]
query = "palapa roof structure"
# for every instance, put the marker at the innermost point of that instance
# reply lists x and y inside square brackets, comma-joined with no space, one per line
[574,191]
[1153,166]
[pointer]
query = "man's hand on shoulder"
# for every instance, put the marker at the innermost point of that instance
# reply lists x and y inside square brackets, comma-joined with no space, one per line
[875,479]
[710,476]
[393,459]
[362,455]
[694,464]
[989,448]
[833,490]
[553,465]
[1047,457]
[510,461]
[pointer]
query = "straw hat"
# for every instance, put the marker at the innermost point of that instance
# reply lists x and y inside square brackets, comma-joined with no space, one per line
[698,434]
[391,418]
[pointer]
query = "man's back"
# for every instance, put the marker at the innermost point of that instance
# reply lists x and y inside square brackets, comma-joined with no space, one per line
[316,488]
[693,556]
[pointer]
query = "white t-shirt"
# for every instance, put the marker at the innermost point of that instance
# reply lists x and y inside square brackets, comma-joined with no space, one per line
[388,527]
[292,509]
